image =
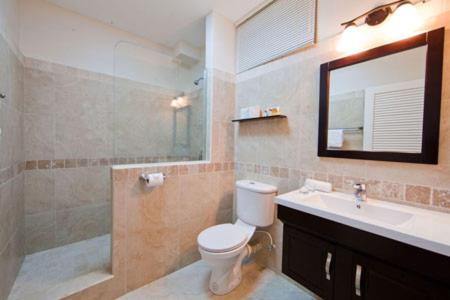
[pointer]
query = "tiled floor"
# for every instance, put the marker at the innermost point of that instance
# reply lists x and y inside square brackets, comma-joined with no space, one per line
[58,272]
[191,282]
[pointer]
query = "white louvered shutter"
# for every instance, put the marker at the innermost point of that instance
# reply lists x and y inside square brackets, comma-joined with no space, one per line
[397,117]
[281,27]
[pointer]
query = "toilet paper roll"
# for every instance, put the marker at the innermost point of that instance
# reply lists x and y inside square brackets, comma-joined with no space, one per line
[153,180]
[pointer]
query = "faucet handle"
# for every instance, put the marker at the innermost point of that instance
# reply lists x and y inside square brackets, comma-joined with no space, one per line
[359,186]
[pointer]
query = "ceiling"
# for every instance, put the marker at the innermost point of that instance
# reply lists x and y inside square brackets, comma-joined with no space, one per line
[162,21]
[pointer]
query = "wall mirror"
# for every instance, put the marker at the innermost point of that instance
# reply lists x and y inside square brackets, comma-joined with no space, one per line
[384,103]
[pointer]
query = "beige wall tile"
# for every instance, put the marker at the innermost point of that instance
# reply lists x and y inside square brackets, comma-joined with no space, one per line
[81,186]
[39,136]
[6,211]
[39,191]
[11,176]
[44,164]
[336,180]
[393,191]
[11,258]
[5,66]
[187,236]
[194,194]
[77,224]
[349,182]
[163,223]
[151,255]
[10,122]
[374,189]
[441,198]
[418,194]
[39,91]
[321,176]
[40,232]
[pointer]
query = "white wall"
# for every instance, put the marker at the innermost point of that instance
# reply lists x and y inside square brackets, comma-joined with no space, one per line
[134,62]
[53,34]
[9,22]
[331,13]
[220,43]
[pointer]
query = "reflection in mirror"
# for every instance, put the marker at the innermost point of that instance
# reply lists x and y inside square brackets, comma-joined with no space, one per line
[378,105]
[181,125]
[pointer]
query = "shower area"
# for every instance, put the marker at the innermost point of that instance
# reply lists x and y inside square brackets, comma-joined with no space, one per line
[159,107]
[77,124]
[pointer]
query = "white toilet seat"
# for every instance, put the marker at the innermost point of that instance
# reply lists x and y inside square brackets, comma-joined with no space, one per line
[222,238]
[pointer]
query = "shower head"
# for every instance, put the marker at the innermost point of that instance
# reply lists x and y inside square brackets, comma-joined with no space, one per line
[197,82]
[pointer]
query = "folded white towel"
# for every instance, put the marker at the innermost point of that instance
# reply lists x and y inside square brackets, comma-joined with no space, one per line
[335,138]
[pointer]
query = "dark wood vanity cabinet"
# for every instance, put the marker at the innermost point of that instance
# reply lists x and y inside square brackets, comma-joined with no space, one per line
[308,259]
[382,281]
[336,261]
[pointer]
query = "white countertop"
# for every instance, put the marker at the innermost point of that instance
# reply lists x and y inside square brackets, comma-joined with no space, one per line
[422,228]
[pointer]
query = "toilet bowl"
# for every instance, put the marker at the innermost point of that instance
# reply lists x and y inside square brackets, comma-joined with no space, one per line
[223,247]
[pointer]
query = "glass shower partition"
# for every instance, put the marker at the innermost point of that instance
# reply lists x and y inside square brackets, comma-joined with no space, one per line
[159,106]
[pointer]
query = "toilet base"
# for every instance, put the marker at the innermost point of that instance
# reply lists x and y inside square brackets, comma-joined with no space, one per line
[226,274]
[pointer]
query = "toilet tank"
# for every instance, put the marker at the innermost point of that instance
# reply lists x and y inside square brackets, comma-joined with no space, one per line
[255,202]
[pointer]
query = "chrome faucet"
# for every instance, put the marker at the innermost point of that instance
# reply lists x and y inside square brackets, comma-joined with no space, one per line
[360,193]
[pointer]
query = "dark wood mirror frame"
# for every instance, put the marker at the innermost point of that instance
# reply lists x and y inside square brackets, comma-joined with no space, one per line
[432,100]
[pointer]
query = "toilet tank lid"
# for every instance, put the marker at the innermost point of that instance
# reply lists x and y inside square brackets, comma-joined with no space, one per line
[257,187]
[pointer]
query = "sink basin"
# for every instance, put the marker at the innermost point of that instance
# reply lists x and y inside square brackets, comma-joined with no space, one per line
[348,207]
[422,228]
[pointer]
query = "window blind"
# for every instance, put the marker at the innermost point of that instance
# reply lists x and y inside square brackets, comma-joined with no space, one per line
[281,27]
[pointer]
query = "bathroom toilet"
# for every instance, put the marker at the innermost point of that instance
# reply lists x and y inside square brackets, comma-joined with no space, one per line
[224,246]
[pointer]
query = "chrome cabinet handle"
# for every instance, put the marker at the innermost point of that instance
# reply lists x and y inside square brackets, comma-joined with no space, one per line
[327,266]
[358,280]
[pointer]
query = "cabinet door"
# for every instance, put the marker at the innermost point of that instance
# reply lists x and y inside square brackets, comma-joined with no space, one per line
[309,261]
[374,280]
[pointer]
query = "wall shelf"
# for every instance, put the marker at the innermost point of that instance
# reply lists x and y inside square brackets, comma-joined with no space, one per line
[260,118]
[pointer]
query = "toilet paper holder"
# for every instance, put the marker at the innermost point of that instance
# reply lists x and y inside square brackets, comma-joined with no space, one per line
[145,177]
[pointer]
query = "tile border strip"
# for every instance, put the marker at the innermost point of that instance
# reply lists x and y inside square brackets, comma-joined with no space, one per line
[427,197]
[180,170]
[96,162]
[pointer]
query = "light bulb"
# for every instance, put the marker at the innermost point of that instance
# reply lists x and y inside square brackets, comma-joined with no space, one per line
[182,101]
[174,103]
[351,39]
[404,20]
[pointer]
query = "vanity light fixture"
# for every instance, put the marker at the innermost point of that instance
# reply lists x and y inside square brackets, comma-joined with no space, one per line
[351,39]
[404,19]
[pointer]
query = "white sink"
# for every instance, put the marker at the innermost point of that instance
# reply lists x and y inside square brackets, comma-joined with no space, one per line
[348,207]
[411,225]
